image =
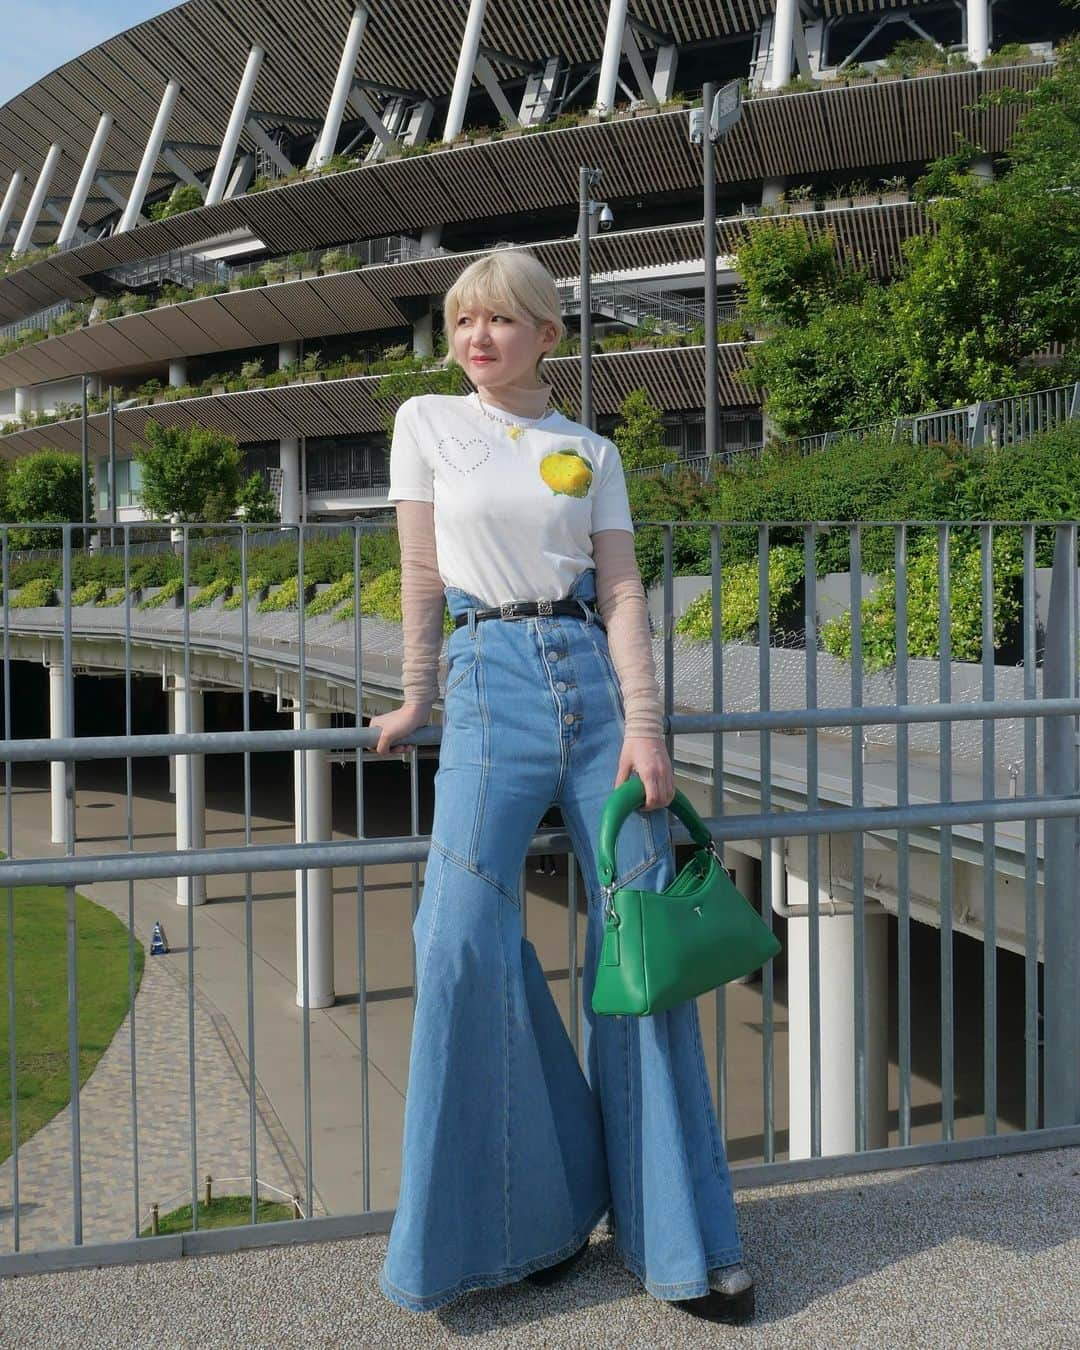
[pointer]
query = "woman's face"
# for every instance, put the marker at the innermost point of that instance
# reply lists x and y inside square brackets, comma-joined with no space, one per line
[496,347]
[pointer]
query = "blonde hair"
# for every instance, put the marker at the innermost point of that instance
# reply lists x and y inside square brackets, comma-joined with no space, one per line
[507,278]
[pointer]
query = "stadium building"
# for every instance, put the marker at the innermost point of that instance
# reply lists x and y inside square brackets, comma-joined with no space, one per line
[228,214]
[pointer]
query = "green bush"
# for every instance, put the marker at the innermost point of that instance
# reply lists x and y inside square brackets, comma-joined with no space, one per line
[255,586]
[340,591]
[210,592]
[37,594]
[739,597]
[287,596]
[382,596]
[923,609]
[173,587]
[89,593]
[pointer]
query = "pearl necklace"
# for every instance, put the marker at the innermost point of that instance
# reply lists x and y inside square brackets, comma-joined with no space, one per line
[514,429]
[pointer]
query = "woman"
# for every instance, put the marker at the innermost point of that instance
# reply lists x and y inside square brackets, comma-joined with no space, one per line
[511,1153]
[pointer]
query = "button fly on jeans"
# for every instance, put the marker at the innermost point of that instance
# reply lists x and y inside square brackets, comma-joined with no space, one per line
[561,686]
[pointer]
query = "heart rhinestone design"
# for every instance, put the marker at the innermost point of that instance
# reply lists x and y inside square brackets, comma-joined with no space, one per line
[464,456]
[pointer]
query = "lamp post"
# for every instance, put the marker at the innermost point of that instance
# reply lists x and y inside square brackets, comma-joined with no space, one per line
[587,208]
[716,116]
[85,465]
[112,466]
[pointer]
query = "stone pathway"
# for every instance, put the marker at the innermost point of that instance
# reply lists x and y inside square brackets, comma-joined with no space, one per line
[161,1019]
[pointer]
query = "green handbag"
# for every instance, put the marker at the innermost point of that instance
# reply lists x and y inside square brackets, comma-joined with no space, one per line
[663,948]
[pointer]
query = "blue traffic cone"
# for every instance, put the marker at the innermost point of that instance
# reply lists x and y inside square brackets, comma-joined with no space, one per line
[158,945]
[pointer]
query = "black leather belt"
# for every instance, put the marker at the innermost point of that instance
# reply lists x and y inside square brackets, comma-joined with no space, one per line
[531,609]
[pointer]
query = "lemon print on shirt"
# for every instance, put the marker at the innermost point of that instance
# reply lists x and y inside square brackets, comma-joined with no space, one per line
[567,472]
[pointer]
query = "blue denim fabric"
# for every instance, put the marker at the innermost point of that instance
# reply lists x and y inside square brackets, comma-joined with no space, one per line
[511,1153]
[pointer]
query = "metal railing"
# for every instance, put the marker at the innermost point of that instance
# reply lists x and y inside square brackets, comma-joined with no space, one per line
[952,845]
[37,323]
[991,423]
[671,312]
[321,481]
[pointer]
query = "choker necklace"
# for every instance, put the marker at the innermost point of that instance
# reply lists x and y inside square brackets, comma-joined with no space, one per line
[515,429]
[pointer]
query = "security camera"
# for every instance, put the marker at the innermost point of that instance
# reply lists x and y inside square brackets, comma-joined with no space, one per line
[607,217]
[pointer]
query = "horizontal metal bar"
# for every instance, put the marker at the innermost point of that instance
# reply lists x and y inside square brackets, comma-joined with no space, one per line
[201,743]
[907,1155]
[332,1228]
[85,871]
[80,748]
[873,715]
[174,1246]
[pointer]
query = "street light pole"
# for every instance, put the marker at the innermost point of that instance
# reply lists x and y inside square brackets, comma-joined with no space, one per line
[85,464]
[708,124]
[712,362]
[112,467]
[586,179]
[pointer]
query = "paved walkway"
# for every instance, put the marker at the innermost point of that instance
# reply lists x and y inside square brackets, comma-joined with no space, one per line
[45,1172]
[977,1254]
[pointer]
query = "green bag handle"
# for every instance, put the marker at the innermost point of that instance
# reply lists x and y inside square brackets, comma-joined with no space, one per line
[624,800]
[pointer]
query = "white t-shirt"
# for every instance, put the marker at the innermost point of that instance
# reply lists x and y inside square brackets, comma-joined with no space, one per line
[514,519]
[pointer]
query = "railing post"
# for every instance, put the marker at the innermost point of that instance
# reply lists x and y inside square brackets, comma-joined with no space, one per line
[1061,874]
[977,423]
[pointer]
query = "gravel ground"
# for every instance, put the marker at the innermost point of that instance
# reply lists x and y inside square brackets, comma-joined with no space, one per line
[971,1254]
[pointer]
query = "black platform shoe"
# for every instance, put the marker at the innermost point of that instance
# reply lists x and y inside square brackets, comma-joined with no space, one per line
[731,1300]
[552,1274]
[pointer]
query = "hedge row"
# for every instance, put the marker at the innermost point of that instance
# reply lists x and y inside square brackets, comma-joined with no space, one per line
[869,480]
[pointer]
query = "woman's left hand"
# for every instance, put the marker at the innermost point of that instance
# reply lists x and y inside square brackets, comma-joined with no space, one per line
[648,758]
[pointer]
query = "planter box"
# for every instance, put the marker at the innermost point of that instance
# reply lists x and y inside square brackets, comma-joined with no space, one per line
[868,199]
[894,198]
[217,389]
[836,203]
[801,207]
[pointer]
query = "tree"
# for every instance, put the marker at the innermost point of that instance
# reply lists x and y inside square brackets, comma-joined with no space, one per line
[639,433]
[995,280]
[45,486]
[256,502]
[191,472]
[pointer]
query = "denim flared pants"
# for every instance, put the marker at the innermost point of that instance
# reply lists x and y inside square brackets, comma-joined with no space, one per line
[512,1153]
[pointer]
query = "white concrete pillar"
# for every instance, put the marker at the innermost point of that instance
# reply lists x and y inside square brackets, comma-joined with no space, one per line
[837,965]
[423,343]
[978,30]
[86,178]
[771,189]
[57,771]
[177,372]
[470,46]
[139,188]
[24,239]
[982,167]
[783,36]
[171,704]
[289,451]
[289,463]
[7,207]
[23,401]
[342,85]
[314,821]
[216,191]
[609,62]
[190,779]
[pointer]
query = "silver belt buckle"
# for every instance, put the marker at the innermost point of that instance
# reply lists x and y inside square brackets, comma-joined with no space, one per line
[543,606]
[507,609]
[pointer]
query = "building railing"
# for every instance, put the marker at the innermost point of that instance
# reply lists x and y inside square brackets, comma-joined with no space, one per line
[770,733]
[991,423]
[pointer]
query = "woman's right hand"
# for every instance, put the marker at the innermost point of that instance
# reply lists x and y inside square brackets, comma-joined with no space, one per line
[392,726]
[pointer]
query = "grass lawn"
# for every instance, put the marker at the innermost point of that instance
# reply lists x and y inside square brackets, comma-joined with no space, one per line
[41,1013]
[226,1211]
